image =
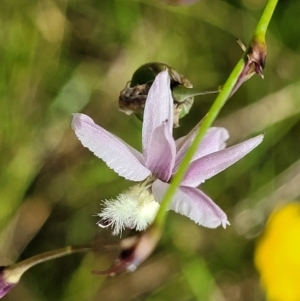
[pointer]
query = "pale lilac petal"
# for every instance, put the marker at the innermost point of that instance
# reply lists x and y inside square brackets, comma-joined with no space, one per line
[192,203]
[123,159]
[162,152]
[212,164]
[158,108]
[214,140]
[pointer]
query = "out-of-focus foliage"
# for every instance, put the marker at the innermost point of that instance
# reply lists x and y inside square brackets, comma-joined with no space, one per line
[179,2]
[60,57]
[277,254]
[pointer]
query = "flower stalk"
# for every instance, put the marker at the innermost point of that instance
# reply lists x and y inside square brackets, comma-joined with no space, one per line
[263,23]
[230,86]
[10,275]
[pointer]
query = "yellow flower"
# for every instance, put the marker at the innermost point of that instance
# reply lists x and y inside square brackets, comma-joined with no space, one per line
[277,254]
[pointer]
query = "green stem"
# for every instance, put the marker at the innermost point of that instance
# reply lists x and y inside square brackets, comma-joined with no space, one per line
[16,270]
[263,23]
[207,122]
[220,101]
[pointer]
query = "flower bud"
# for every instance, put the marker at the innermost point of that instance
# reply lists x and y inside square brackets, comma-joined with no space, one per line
[8,280]
[255,61]
[134,251]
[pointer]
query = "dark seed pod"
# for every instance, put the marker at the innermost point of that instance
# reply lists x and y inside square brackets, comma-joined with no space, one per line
[132,99]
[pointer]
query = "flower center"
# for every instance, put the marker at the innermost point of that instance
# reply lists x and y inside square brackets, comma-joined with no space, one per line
[134,209]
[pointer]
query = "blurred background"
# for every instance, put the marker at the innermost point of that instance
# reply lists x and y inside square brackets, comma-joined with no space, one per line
[61,57]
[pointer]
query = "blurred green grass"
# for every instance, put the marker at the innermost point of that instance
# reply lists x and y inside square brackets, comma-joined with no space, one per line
[60,57]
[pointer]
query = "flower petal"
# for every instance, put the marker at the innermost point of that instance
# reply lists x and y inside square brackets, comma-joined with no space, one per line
[162,152]
[194,204]
[158,108]
[214,140]
[212,164]
[119,156]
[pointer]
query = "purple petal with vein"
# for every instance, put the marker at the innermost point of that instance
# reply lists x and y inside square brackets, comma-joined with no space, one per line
[214,140]
[158,109]
[124,160]
[162,152]
[212,164]
[194,204]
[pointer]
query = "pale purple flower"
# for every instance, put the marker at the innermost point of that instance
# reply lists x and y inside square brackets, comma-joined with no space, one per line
[161,156]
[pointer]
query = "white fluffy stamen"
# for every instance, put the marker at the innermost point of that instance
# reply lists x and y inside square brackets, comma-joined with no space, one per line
[134,209]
